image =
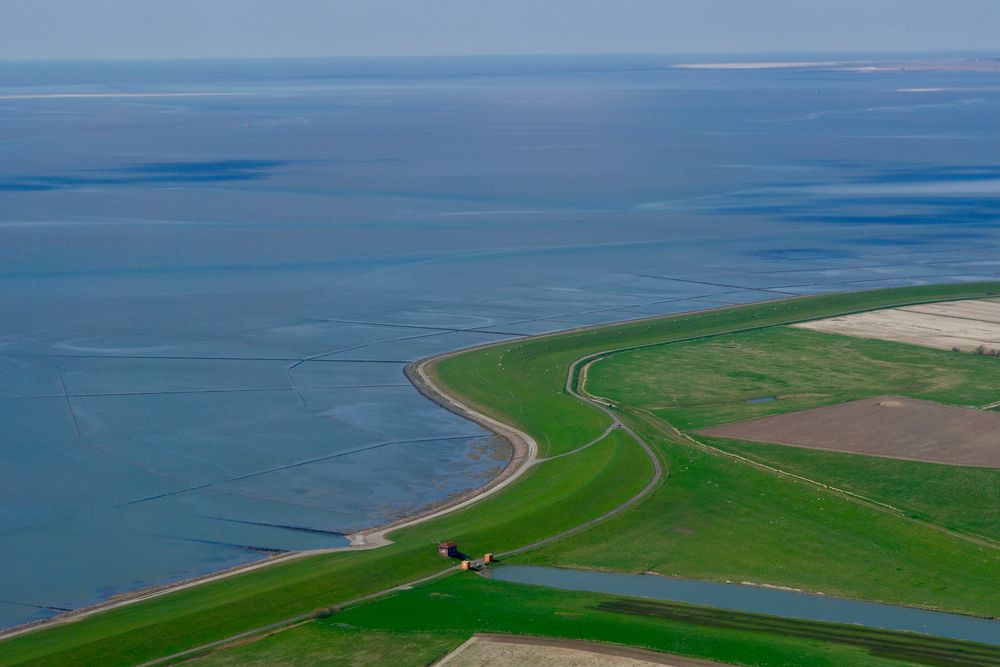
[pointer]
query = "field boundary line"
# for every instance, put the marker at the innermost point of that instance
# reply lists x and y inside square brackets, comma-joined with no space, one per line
[848,495]
[417,373]
[587,360]
[377,536]
[660,472]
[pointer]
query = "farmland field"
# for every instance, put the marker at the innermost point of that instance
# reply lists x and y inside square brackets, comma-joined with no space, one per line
[464,604]
[774,528]
[964,499]
[714,517]
[963,325]
[522,651]
[889,426]
[709,382]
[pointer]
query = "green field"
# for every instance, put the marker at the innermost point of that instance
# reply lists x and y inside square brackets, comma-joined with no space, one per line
[693,523]
[804,369]
[708,382]
[553,496]
[962,499]
[454,608]
[324,644]
[723,520]
[785,532]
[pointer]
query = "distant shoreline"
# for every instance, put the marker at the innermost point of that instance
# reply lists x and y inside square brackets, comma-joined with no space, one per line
[929,65]
[761,65]
[524,454]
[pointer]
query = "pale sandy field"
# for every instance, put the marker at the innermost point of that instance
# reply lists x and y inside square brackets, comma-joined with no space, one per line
[965,325]
[515,651]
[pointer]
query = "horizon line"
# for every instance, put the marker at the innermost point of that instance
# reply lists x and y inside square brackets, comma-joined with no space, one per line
[969,53]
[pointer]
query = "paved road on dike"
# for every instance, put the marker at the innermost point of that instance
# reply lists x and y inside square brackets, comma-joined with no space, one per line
[505,431]
[654,481]
[376,537]
[582,364]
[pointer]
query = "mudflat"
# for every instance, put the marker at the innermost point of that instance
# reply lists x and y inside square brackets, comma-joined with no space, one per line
[889,426]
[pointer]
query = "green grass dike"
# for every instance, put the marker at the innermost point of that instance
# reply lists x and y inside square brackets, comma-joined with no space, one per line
[723,520]
[713,517]
[436,618]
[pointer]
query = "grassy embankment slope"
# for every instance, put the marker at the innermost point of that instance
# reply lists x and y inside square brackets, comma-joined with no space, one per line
[781,531]
[683,384]
[318,643]
[523,383]
[553,496]
[747,522]
[439,616]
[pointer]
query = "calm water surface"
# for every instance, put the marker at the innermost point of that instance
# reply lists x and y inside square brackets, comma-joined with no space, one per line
[758,600]
[212,278]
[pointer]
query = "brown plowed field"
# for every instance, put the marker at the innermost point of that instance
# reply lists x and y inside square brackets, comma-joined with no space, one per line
[890,426]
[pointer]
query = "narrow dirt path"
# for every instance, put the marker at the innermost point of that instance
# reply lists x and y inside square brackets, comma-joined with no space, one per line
[659,469]
[667,428]
[377,538]
[593,442]
[525,455]
[417,374]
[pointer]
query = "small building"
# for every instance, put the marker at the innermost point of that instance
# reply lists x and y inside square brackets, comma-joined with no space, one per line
[467,565]
[448,549]
[488,558]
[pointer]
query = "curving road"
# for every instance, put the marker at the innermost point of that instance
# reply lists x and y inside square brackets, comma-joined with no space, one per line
[519,440]
[654,481]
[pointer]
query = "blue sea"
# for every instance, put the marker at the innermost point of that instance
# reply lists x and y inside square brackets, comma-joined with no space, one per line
[212,273]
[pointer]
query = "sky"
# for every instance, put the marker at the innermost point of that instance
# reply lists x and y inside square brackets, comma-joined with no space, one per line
[121,29]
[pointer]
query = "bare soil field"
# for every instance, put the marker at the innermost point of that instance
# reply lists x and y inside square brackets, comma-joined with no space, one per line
[520,651]
[965,325]
[889,426]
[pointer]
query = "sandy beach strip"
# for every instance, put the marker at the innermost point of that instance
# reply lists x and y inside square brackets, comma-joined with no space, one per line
[792,64]
[525,454]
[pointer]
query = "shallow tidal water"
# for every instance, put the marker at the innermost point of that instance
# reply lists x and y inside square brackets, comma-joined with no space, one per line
[212,274]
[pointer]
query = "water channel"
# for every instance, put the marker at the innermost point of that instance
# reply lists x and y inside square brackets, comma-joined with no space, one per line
[759,600]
